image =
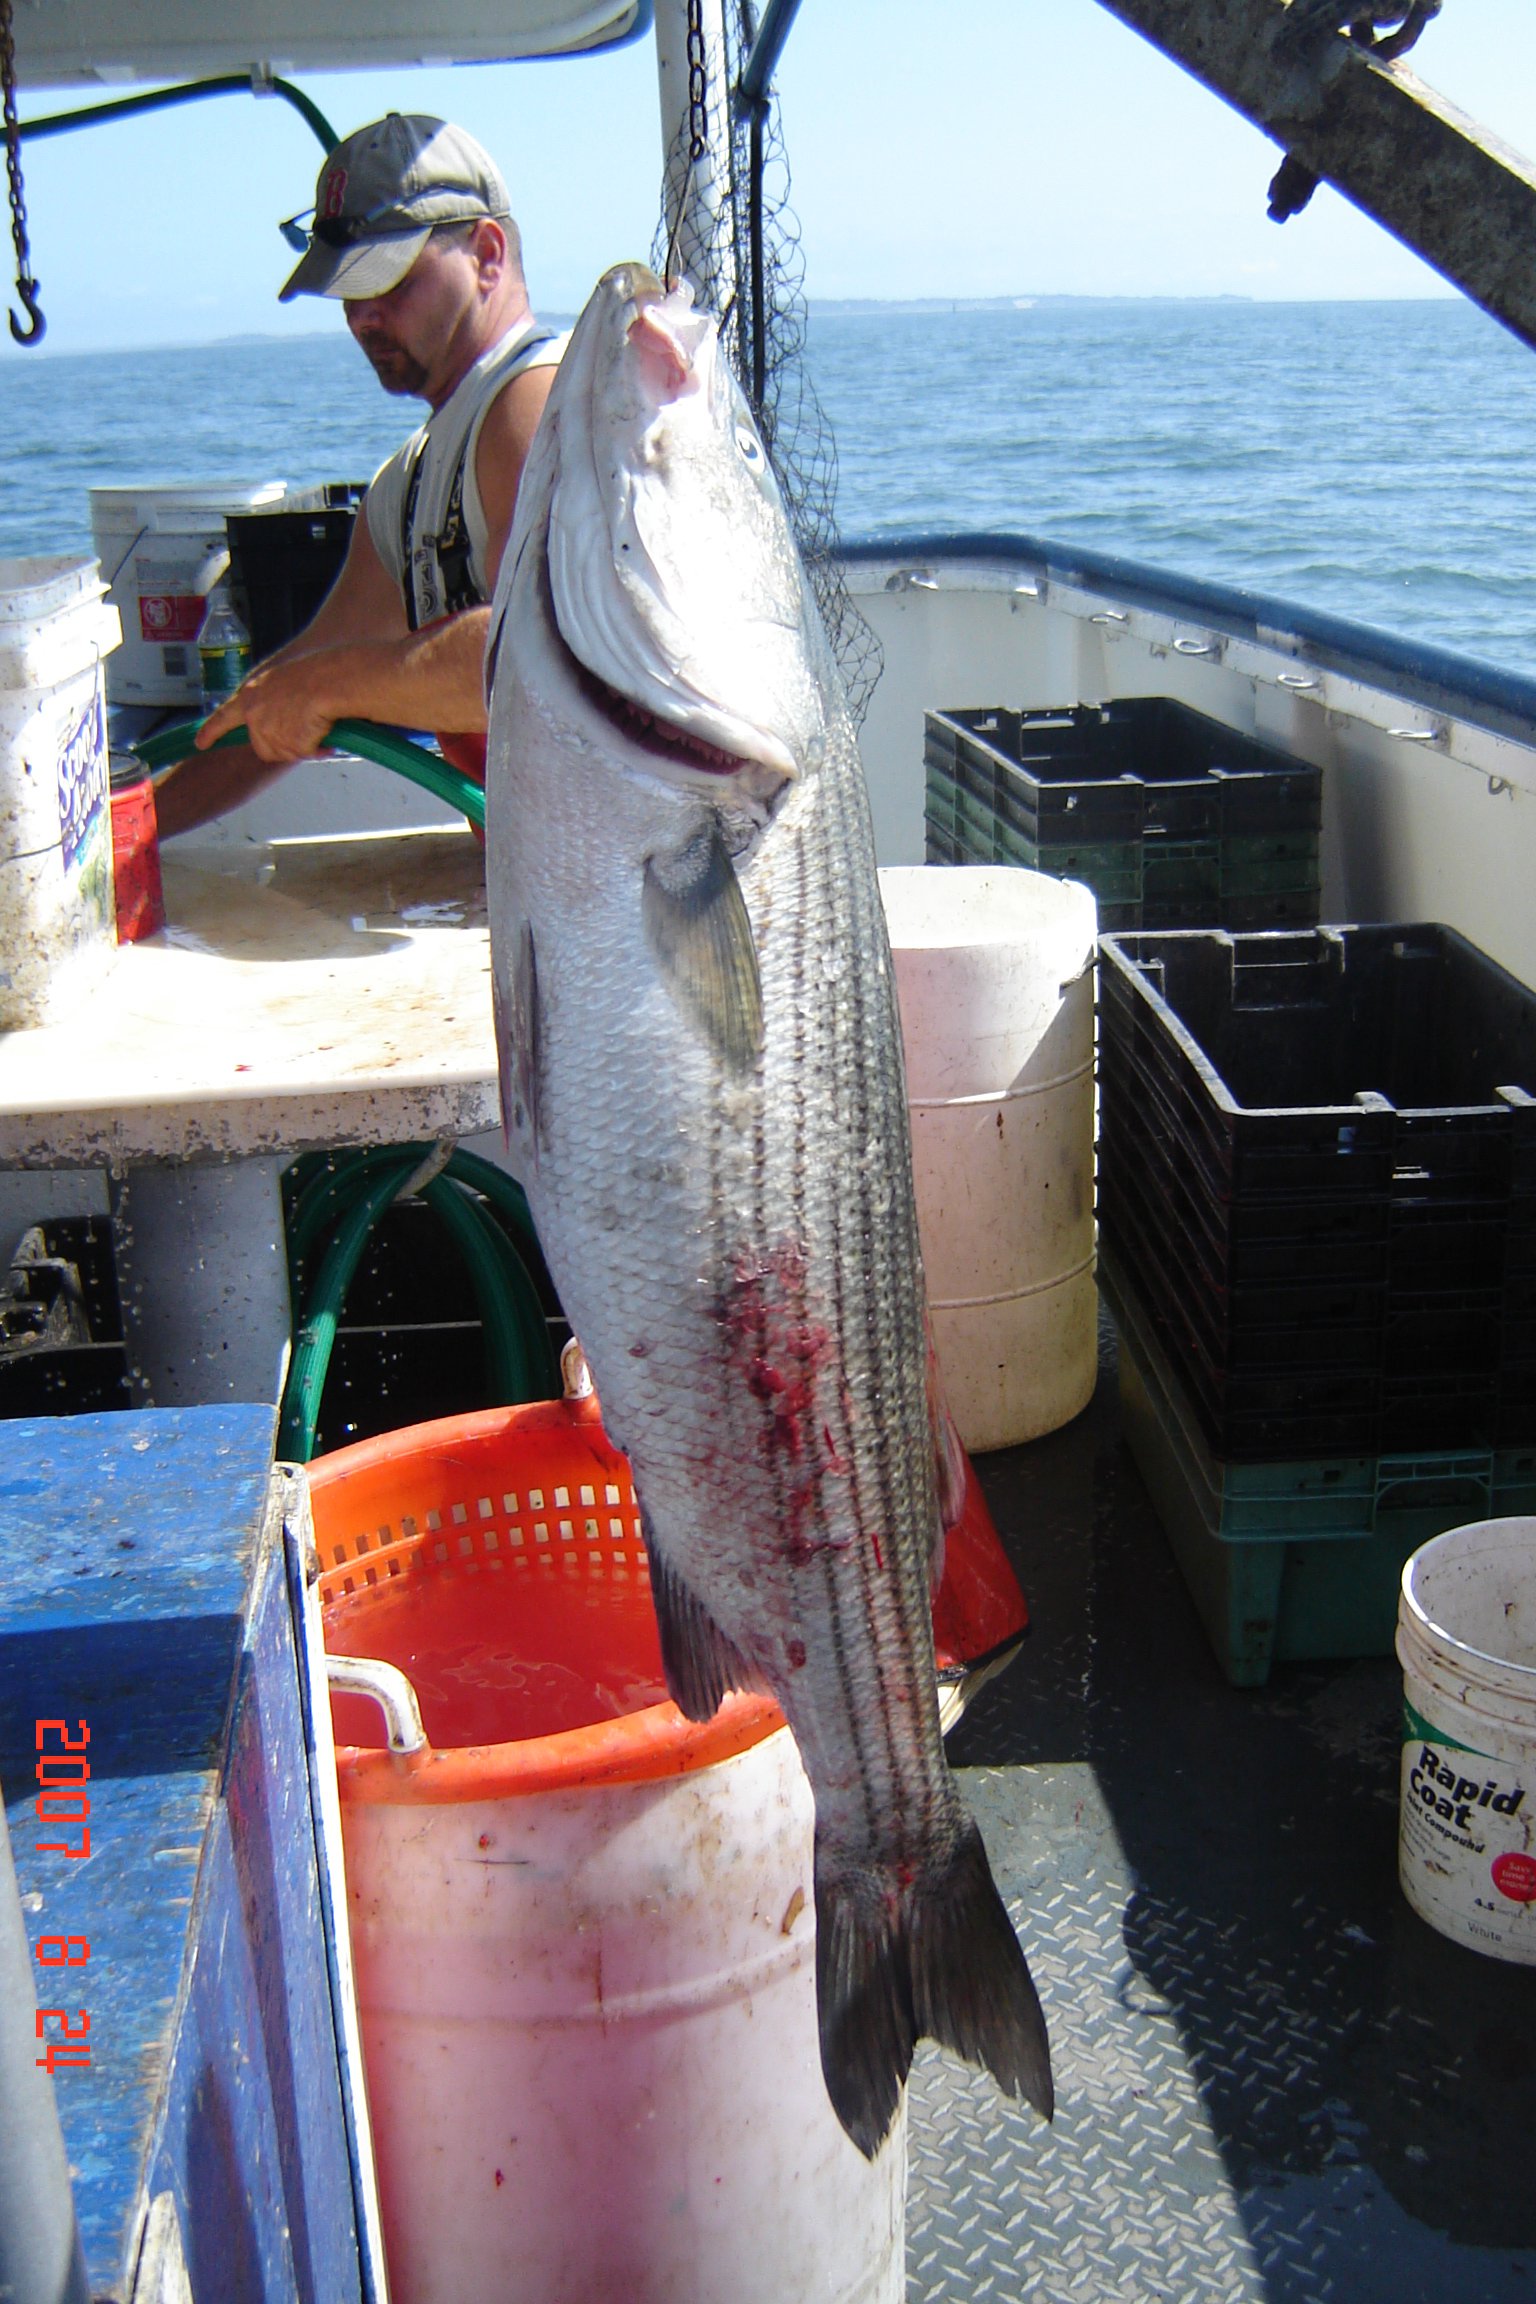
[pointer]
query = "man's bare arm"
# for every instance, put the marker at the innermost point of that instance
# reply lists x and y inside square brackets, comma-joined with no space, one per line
[358,659]
[501,452]
[362,605]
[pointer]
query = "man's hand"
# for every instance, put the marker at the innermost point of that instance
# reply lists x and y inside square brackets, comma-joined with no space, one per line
[286,706]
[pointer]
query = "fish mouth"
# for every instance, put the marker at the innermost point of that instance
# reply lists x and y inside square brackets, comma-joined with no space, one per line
[660,737]
[649,731]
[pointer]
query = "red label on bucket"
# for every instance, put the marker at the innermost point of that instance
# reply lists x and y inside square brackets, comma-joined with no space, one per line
[171,615]
[1514,1876]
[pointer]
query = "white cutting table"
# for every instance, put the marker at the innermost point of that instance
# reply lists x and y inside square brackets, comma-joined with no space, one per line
[307,993]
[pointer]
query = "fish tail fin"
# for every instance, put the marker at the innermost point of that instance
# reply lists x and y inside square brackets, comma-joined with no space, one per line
[937,1960]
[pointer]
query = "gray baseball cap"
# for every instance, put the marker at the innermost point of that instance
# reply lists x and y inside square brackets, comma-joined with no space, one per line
[378,198]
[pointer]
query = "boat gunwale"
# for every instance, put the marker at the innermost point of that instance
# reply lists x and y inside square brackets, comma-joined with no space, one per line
[1440,679]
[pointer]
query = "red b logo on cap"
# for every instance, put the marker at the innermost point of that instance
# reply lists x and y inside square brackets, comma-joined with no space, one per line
[335,192]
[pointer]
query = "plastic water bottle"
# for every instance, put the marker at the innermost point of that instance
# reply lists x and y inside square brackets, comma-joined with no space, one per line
[223,649]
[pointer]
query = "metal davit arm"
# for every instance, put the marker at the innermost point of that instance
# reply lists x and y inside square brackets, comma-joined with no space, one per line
[1429,175]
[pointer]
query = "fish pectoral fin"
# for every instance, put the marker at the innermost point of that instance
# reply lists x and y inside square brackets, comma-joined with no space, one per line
[901,1960]
[696,924]
[701,1662]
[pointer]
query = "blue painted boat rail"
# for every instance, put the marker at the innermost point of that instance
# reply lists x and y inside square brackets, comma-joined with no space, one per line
[1440,679]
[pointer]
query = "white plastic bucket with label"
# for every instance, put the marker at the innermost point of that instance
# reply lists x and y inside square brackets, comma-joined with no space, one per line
[994,976]
[1466,1639]
[58,926]
[162,551]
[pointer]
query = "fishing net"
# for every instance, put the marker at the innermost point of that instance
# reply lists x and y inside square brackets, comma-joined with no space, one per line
[737,240]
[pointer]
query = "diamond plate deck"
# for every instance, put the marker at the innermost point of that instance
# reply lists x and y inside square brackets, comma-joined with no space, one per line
[1275,2084]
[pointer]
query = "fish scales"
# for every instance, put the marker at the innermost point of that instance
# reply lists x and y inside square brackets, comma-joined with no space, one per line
[703,1084]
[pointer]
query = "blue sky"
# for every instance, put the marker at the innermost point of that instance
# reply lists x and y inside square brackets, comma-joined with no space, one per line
[974,148]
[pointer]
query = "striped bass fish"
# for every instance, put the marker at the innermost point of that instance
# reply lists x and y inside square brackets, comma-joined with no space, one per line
[703,1091]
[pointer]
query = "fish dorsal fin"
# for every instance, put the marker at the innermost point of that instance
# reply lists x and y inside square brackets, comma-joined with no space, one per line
[700,1661]
[696,924]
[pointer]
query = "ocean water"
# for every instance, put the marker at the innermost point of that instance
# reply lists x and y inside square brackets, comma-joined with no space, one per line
[1377,460]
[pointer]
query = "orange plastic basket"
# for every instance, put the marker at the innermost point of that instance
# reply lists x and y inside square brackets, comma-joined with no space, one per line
[515,1533]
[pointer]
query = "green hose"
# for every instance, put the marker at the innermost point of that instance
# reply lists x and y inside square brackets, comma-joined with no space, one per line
[325,1180]
[358,1188]
[316,1332]
[363,738]
[509,1366]
[506,1196]
[330,1191]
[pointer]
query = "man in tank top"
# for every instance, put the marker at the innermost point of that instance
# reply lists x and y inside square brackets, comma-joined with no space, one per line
[412,231]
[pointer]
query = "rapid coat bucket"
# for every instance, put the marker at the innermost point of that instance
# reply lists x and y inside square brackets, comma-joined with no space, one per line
[1466,1639]
[584,1953]
[163,550]
[56,915]
[994,976]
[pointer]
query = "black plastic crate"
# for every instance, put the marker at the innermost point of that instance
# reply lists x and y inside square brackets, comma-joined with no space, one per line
[1139,764]
[1341,1111]
[1224,828]
[1303,1061]
[283,563]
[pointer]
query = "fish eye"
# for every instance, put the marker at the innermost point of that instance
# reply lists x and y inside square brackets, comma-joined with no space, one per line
[750,446]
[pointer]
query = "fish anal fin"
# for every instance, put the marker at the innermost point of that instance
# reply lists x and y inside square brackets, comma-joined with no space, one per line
[934,1959]
[696,924]
[528,1026]
[950,1462]
[700,1661]
[501,1025]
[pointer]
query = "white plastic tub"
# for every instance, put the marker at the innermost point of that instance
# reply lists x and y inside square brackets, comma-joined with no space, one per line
[57,922]
[994,975]
[163,550]
[1466,1639]
[585,1956]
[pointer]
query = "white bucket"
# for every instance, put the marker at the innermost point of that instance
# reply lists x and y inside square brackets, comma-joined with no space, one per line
[994,975]
[1466,1638]
[585,1955]
[607,1997]
[162,551]
[57,920]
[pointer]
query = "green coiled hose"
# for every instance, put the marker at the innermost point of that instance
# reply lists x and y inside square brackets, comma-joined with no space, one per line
[352,1193]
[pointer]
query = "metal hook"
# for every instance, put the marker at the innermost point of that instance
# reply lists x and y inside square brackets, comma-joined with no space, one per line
[29,292]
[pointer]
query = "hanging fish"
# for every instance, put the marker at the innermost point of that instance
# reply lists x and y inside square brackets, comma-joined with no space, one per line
[703,1090]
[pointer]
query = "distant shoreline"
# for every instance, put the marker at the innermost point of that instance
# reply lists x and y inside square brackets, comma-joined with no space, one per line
[819,307]
[880,307]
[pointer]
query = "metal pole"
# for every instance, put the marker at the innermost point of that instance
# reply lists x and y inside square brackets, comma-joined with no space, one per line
[767,47]
[188,92]
[41,2260]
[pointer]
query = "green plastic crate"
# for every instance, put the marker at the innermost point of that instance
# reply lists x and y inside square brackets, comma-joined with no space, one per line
[1293,1561]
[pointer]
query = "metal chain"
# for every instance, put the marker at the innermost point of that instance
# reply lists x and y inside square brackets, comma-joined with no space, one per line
[26,286]
[698,84]
[698,135]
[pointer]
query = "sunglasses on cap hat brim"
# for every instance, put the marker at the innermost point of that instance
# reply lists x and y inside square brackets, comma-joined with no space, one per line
[347,231]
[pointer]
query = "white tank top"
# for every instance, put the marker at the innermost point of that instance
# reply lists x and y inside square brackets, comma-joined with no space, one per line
[423,506]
